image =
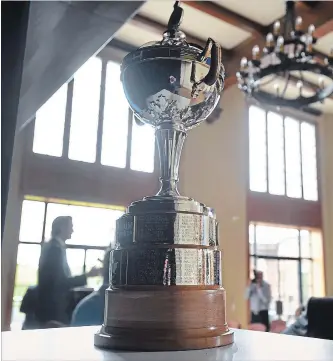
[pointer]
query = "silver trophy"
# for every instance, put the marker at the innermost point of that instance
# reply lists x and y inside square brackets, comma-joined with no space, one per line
[165,275]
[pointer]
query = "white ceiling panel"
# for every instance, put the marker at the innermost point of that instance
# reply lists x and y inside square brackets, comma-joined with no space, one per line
[325,43]
[196,23]
[263,12]
[135,35]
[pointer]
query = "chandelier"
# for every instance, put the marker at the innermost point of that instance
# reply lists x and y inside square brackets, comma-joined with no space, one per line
[283,74]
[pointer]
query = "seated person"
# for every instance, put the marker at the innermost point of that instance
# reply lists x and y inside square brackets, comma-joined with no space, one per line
[299,327]
[316,321]
[28,306]
[90,310]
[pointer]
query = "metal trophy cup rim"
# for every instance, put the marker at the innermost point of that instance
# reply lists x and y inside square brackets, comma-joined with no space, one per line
[165,272]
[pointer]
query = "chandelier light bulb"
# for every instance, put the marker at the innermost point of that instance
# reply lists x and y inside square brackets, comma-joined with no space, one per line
[255,52]
[243,63]
[276,27]
[298,23]
[311,29]
[280,43]
[309,43]
[299,85]
[289,48]
[269,40]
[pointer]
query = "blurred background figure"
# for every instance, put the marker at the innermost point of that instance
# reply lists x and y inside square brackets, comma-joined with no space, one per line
[54,276]
[299,311]
[316,320]
[300,326]
[90,310]
[258,293]
[29,307]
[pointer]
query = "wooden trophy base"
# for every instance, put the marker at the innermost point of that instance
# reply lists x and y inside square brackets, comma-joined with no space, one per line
[164,319]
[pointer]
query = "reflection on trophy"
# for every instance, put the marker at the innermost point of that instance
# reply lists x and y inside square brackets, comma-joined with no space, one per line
[165,275]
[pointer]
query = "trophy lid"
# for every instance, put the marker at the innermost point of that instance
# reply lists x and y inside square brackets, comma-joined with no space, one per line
[173,45]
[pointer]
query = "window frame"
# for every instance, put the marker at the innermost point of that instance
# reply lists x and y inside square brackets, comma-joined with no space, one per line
[255,256]
[300,117]
[43,238]
[106,55]
[68,246]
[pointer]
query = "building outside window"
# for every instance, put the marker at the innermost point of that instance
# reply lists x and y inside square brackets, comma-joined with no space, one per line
[94,231]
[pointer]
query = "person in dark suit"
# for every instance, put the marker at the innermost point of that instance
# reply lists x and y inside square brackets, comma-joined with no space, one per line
[54,276]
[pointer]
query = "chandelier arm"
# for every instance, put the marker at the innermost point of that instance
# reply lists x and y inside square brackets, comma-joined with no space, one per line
[289,22]
[285,53]
[286,85]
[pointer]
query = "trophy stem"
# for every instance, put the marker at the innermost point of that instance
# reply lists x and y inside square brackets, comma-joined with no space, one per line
[170,141]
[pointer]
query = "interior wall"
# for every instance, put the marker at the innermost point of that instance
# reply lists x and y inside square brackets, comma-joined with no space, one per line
[11,229]
[214,170]
[326,165]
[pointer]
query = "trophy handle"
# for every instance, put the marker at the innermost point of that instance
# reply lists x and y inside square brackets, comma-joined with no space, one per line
[170,141]
[215,64]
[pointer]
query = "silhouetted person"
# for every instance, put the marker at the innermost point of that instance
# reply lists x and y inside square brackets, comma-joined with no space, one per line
[54,276]
[90,311]
[259,294]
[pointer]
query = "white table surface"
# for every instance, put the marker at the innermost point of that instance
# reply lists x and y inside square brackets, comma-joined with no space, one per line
[77,344]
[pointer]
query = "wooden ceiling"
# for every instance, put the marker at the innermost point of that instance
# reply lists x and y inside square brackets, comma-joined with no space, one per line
[237,24]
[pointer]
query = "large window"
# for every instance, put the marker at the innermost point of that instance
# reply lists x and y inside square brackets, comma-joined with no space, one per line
[291,260]
[283,156]
[94,230]
[89,120]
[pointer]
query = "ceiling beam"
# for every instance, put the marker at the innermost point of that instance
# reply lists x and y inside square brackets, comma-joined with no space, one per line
[228,16]
[310,4]
[324,29]
[322,14]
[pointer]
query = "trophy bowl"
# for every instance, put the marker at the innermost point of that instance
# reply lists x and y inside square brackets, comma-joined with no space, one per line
[166,288]
[172,82]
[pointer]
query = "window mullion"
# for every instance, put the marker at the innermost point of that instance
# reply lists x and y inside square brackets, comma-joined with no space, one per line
[301,158]
[68,116]
[44,223]
[84,261]
[129,138]
[318,168]
[267,162]
[284,156]
[101,113]
[300,269]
